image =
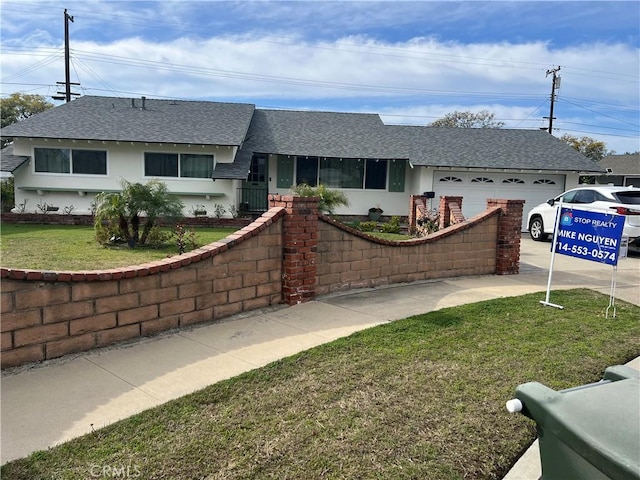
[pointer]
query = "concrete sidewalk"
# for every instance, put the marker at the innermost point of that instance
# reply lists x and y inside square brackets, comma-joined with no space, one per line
[53,402]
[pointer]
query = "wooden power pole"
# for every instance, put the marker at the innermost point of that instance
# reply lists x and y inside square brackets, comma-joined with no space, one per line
[66,95]
[555,85]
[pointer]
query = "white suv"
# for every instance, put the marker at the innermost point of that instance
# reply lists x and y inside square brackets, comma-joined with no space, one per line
[595,198]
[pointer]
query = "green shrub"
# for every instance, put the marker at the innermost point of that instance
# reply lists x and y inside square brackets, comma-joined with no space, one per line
[7,194]
[393,226]
[120,215]
[329,199]
[369,226]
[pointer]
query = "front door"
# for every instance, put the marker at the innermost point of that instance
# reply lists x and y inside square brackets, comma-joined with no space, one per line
[255,189]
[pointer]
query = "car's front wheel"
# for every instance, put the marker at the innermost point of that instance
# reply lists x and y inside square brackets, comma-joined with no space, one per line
[536,229]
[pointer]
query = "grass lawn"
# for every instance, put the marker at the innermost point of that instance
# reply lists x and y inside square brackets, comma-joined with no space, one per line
[420,398]
[69,247]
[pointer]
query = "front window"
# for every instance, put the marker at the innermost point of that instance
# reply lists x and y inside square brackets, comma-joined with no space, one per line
[307,171]
[65,160]
[90,162]
[196,166]
[342,172]
[370,174]
[376,178]
[184,165]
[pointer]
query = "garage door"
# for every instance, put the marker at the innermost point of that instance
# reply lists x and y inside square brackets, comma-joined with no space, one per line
[476,187]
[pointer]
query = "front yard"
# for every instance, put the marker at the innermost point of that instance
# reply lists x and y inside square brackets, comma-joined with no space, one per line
[420,398]
[71,248]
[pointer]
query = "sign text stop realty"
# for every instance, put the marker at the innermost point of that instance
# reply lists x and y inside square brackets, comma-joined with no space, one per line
[594,236]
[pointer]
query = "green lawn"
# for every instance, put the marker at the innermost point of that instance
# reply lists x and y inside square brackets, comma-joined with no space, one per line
[420,398]
[68,247]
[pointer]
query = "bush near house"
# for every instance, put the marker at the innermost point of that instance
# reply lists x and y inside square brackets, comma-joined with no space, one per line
[329,199]
[120,215]
[7,198]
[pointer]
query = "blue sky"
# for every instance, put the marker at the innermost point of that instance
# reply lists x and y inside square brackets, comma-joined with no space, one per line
[411,62]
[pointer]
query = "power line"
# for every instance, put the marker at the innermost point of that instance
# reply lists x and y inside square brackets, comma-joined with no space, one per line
[603,114]
[294,41]
[596,133]
[200,71]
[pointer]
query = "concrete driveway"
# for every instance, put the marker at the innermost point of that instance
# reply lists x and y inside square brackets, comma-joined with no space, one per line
[571,272]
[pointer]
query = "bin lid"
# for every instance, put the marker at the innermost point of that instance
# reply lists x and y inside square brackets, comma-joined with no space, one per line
[601,422]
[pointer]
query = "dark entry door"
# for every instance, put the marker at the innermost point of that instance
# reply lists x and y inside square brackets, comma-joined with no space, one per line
[255,189]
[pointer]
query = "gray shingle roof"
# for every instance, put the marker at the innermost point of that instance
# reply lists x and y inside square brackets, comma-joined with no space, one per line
[622,164]
[10,162]
[164,121]
[486,148]
[329,134]
[352,135]
[308,133]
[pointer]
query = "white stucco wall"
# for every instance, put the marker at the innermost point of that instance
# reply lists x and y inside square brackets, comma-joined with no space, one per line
[124,161]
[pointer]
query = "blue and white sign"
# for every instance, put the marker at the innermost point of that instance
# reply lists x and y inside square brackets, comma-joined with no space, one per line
[588,235]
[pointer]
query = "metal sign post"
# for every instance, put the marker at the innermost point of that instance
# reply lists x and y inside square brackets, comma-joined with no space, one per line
[593,236]
[553,257]
[622,253]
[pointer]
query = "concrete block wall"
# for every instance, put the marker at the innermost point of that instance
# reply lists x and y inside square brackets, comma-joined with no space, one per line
[290,254]
[50,314]
[348,258]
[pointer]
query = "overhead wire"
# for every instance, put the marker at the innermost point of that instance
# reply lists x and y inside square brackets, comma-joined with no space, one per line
[293,41]
[601,113]
[84,56]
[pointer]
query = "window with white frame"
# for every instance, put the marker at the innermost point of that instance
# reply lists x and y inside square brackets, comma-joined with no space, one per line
[70,161]
[183,165]
[369,174]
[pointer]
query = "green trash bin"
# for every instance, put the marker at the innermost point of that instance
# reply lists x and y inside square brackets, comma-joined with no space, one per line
[590,432]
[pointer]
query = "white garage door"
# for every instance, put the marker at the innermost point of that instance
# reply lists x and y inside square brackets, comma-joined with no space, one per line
[476,187]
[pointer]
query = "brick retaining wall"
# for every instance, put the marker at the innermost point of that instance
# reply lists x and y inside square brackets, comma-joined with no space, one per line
[87,220]
[290,254]
[50,314]
[348,259]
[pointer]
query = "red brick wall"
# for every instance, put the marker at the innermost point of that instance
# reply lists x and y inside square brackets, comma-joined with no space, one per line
[61,219]
[50,314]
[450,211]
[300,230]
[508,237]
[290,254]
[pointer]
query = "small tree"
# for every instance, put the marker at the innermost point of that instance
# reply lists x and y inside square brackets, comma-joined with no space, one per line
[329,199]
[482,119]
[594,149]
[18,106]
[8,198]
[121,214]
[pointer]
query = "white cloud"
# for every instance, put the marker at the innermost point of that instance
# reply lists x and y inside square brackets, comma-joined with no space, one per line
[165,49]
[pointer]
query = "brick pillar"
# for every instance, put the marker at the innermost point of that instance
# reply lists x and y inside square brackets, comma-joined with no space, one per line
[444,210]
[509,235]
[299,246]
[414,200]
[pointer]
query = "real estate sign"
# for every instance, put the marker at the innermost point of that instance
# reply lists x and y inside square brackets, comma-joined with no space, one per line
[588,235]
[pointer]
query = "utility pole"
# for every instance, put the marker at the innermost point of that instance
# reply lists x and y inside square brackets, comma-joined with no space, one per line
[67,74]
[555,85]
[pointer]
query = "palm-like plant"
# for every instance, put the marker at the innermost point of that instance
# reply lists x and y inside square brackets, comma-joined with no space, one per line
[156,201]
[329,199]
[120,214]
